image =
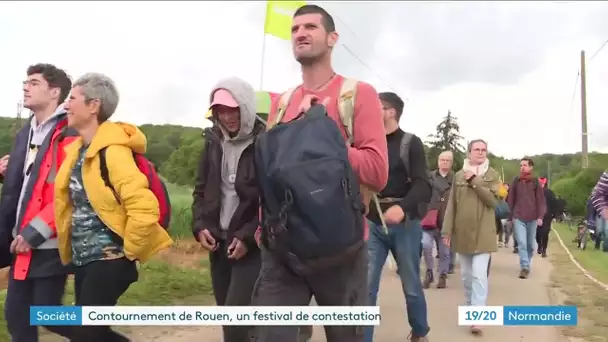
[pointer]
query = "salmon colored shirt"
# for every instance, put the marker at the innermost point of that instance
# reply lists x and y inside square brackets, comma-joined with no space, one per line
[368,156]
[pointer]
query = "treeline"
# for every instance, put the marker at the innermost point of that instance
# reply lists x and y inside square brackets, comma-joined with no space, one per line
[176,150]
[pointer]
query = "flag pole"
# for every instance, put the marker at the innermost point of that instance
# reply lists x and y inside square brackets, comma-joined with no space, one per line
[262,62]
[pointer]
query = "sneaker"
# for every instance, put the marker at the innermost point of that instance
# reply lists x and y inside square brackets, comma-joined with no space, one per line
[524,273]
[544,255]
[428,280]
[539,251]
[475,330]
[515,250]
[506,245]
[500,244]
[442,282]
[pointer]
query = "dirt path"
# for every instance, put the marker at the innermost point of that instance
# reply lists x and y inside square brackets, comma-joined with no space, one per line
[505,289]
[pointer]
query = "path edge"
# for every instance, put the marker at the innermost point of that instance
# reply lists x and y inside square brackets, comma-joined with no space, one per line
[578,265]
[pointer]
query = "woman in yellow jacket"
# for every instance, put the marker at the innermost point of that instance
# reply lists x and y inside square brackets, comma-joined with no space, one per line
[100,236]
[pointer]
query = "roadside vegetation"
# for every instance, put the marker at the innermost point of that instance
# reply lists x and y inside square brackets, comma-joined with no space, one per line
[574,288]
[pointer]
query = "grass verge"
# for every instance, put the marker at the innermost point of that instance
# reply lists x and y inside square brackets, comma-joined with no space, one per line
[594,261]
[576,289]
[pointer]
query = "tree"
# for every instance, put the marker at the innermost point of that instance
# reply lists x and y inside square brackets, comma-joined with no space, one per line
[447,138]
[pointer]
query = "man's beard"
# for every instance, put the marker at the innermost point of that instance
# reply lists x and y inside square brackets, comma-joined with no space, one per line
[311,59]
[307,60]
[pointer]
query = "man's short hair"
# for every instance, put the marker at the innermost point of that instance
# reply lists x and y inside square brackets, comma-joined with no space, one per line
[447,153]
[529,160]
[55,77]
[474,141]
[393,101]
[326,19]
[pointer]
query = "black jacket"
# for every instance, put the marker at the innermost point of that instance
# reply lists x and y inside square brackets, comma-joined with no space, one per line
[207,192]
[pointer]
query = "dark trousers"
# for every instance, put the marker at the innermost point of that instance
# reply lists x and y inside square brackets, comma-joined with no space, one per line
[233,282]
[542,235]
[342,285]
[21,294]
[101,283]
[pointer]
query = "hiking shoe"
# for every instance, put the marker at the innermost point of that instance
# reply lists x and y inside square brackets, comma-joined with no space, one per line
[428,279]
[442,282]
[475,330]
[414,338]
[524,273]
[451,269]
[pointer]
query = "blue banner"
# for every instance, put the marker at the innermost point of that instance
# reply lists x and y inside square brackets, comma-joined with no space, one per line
[540,315]
[55,315]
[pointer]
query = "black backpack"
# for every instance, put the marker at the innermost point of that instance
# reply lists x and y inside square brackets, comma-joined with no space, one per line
[404,154]
[312,210]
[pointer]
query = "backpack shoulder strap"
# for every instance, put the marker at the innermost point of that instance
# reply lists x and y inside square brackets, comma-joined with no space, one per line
[283,103]
[105,173]
[346,106]
[404,150]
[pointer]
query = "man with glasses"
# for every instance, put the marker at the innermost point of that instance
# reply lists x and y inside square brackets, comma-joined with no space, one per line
[27,224]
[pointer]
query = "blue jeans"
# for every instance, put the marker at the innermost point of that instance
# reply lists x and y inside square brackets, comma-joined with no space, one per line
[474,269]
[525,234]
[429,239]
[403,241]
[602,230]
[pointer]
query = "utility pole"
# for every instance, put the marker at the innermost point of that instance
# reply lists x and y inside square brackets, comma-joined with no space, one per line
[18,122]
[585,140]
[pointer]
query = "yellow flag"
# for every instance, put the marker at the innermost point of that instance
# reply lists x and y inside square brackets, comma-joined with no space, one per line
[278,17]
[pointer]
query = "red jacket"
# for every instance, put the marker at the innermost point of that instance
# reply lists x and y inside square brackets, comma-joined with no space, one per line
[37,225]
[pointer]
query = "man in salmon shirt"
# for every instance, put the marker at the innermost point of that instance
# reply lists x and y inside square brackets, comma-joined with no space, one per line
[313,39]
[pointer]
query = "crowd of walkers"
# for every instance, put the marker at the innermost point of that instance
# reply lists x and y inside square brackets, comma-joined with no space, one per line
[290,209]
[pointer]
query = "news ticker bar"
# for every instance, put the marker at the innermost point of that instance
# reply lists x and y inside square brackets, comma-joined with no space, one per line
[204,315]
[286,315]
[518,315]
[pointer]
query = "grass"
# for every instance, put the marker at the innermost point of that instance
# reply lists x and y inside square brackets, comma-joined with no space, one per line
[594,261]
[181,216]
[175,276]
[576,289]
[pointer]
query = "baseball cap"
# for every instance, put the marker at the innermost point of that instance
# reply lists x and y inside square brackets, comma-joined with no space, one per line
[224,98]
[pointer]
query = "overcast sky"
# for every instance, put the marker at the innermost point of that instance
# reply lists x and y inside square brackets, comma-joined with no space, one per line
[506,70]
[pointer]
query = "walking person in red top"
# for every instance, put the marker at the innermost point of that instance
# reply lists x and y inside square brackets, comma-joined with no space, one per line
[313,39]
[27,220]
[527,203]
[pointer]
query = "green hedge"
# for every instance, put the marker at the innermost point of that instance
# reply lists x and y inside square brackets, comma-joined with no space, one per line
[576,190]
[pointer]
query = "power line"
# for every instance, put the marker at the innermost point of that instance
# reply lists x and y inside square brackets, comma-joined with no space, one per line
[346,26]
[598,51]
[368,67]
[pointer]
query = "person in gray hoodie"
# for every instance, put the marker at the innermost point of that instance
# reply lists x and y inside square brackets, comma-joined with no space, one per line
[226,198]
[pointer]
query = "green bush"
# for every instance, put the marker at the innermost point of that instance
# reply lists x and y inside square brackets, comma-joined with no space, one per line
[576,190]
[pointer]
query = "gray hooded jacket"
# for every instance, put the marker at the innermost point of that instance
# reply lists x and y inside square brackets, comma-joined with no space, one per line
[233,147]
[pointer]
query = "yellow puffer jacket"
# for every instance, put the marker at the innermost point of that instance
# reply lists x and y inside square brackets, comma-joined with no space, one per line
[136,219]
